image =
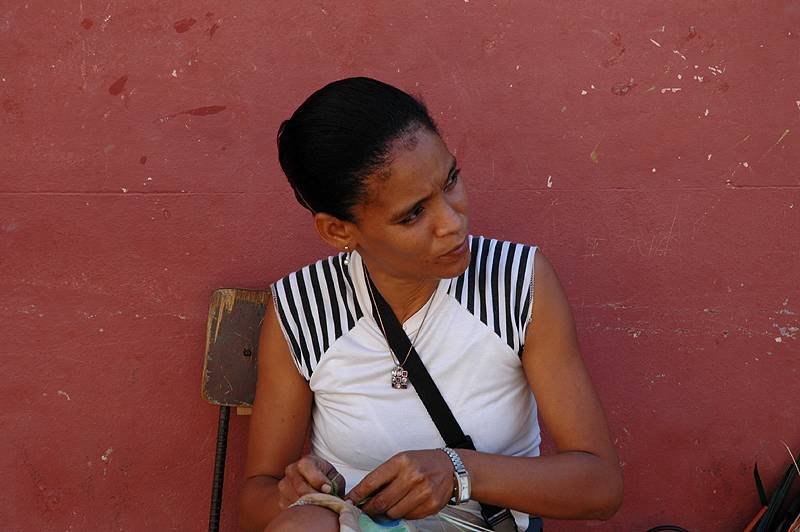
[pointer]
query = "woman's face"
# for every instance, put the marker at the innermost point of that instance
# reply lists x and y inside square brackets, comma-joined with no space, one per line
[413,225]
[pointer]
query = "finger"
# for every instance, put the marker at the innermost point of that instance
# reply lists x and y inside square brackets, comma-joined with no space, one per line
[415,505]
[386,498]
[379,476]
[335,479]
[287,493]
[296,484]
[310,469]
[300,486]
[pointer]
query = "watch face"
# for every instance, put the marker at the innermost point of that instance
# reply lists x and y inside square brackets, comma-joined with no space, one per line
[463,488]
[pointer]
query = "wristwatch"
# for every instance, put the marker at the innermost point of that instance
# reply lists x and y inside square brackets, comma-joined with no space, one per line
[461,486]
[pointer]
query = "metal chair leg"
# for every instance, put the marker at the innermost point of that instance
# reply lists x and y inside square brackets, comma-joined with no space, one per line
[219,468]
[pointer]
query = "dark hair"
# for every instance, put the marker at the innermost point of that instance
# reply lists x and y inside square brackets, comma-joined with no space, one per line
[340,135]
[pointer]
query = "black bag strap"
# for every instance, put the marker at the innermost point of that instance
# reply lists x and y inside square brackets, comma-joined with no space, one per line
[498,518]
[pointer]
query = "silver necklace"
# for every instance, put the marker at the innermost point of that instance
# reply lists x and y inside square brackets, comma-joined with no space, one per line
[399,375]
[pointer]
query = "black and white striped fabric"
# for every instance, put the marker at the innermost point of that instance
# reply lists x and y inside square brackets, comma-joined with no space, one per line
[497,287]
[318,304]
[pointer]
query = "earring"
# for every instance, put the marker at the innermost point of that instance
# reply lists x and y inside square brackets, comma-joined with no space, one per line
[346,256]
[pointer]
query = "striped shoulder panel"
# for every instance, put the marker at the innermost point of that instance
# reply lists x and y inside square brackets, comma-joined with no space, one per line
[315,305]
[497,287]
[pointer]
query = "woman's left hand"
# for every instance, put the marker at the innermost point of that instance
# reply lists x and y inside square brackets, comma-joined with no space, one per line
[411,485]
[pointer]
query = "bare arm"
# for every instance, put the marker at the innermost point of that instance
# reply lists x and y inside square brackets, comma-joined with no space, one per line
[582,481]
[278,426]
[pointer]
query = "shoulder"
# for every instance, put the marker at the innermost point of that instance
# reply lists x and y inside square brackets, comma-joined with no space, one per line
[315,305]
[551,309]
[323,275]
[497,286]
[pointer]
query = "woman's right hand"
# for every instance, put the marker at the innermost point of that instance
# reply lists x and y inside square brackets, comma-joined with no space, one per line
[310,474]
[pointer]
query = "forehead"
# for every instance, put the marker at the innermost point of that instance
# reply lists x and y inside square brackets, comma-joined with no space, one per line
[418,162]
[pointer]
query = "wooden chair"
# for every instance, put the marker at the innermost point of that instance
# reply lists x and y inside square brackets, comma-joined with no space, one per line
[229,368]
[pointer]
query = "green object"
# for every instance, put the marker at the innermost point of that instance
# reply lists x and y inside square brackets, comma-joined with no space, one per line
[335,487]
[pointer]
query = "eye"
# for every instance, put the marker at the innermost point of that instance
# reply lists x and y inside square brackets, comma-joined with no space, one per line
[453,179]
[412,216]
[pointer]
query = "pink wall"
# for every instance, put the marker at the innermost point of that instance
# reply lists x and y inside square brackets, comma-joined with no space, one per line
[650,148]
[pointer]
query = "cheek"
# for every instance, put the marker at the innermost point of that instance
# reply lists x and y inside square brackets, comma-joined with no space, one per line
[409,244]
[414,246]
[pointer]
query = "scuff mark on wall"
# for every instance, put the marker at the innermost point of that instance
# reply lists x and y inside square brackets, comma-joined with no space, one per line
[622,89]
[783,136]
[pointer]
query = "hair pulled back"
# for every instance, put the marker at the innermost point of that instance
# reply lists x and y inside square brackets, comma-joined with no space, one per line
[341,134]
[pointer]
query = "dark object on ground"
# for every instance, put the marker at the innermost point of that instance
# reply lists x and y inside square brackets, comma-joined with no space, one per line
[779,513]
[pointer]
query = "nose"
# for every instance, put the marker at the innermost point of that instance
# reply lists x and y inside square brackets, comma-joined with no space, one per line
[449,219]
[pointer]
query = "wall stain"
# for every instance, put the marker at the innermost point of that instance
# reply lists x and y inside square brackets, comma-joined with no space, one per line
[184,25]
[118,86]
[616,40]
[12,107]
[198,111]
[203,111]
[87,23]
[51,498]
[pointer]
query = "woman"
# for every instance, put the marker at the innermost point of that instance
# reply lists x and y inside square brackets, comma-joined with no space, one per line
[367,160]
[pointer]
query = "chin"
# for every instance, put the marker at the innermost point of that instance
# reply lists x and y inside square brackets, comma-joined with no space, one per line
[448,271]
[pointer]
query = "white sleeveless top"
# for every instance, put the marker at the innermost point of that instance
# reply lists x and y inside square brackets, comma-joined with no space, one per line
[470,343]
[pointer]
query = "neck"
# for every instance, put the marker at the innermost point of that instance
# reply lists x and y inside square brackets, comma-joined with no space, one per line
[404,296]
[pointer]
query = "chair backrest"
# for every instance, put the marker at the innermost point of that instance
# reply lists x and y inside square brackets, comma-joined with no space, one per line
[234,323]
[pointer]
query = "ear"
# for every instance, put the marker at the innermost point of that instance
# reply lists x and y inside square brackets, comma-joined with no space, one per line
[337,233]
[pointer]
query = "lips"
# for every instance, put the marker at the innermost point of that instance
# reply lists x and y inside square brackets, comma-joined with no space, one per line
[455,250]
